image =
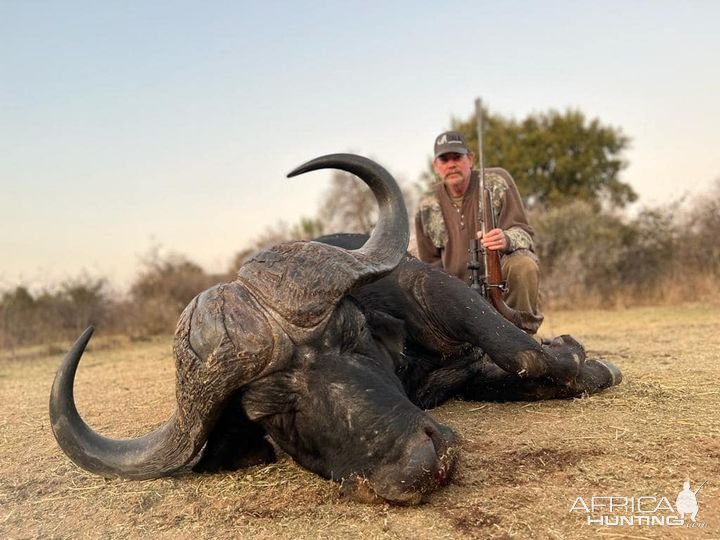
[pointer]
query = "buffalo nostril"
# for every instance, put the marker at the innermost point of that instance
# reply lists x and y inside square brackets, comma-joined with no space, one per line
[436,436]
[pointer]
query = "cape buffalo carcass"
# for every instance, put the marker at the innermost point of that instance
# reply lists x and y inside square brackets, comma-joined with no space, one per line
[334,353]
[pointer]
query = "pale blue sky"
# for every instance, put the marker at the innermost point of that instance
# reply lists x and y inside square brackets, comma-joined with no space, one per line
[126,124]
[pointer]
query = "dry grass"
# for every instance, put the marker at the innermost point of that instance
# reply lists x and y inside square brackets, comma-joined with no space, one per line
[565,294]
[523,464]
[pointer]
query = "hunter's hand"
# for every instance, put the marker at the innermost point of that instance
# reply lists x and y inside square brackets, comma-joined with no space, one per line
[495,240]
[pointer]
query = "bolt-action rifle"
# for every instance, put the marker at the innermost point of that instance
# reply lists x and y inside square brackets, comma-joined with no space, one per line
[490,284]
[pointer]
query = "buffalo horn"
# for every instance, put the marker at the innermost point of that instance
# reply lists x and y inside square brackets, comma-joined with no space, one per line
[388,242]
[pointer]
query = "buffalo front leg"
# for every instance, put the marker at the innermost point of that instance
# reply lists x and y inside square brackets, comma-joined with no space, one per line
[492,383]
[446,314]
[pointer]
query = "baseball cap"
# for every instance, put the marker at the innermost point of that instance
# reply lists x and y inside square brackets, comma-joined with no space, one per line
[450,141]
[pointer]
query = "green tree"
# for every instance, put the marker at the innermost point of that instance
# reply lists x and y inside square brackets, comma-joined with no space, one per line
[650,246]
[579,249]
[556,158]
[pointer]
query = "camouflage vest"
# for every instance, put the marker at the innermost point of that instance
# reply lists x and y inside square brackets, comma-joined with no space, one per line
[431,215]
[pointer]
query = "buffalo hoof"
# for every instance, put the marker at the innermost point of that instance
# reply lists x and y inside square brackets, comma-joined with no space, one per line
[596,375]
[565,358]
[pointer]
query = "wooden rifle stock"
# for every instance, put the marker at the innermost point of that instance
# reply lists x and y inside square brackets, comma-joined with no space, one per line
[491,285]
[495,286]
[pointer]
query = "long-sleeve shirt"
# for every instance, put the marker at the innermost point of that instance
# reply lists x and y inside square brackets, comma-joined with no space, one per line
[443,228]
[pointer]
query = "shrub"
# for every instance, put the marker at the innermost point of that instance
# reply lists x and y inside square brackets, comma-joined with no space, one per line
[162,289]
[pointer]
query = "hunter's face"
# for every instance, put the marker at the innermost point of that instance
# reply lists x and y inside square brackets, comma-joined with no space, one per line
[454,170]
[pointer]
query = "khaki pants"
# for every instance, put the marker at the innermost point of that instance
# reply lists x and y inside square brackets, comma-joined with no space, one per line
[521,271]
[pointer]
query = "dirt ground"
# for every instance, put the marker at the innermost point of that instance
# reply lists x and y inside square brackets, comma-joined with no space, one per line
[524,465]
